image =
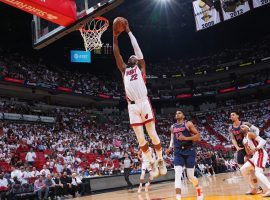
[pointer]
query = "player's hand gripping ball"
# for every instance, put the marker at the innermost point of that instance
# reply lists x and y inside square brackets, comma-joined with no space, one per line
[119,25]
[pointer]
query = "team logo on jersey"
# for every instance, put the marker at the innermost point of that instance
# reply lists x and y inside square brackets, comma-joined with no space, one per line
[176,130]
[131,72]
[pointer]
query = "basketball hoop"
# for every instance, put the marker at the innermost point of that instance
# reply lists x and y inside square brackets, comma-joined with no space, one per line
[92,32]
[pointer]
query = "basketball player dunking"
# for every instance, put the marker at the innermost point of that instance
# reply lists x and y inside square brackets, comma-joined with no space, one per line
[254,146]
[139,107]
[237,140]
[183,134]
[145,166]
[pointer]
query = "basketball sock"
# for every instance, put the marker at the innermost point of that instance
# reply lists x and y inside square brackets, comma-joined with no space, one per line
[148,156]
[253,180]
[159,153]
[178,197]
[260,175]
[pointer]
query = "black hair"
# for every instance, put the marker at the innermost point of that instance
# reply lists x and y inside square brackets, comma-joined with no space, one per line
[236,112]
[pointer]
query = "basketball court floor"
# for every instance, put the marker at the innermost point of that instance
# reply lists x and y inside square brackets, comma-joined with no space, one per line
[229,186]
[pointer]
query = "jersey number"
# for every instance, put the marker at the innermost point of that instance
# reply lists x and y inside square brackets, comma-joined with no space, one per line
[134,77]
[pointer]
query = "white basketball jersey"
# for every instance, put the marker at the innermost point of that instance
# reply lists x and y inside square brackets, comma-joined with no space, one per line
[249,143]
[134,84]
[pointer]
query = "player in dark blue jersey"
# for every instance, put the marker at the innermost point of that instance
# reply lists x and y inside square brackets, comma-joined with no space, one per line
[237,139]
[183,134]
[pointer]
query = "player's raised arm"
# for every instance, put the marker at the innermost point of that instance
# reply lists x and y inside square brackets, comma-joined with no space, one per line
[137,49]
[116,51]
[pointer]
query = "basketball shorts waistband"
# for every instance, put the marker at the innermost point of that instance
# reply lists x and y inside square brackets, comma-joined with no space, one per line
[138,100]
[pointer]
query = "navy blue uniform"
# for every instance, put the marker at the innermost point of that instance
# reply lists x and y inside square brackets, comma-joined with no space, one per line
[184,151]
[238,136]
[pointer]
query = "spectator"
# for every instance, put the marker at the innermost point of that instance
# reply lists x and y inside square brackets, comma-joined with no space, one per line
[45,172]
[49,182]
[35,172]
[4,188]
[30,157]
[58,185]
[127,164]
[76,185]
[41,189]
[66,181]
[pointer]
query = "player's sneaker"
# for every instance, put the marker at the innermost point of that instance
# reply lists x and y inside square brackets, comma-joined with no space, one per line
[140,189]
[146,187]
[201,197]
[154,167]
[162,167]
[255,191]
[267,194]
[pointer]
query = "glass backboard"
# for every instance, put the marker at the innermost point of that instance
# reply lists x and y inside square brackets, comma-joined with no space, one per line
[45,32]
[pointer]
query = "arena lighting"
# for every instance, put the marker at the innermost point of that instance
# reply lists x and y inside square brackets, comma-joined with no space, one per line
[164,1]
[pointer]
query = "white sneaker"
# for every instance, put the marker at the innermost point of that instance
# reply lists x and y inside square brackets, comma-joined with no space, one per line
[267,194]
[154,167]
[200,197]
[140,189]
[162,167]
[146,187]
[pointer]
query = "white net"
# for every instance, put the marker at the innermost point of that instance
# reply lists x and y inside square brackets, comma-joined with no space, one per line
[92,32]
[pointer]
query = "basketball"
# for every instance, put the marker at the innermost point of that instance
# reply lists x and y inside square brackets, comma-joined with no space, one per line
[119,25]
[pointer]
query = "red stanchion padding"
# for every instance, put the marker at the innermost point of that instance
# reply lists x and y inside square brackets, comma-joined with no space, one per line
[63,12]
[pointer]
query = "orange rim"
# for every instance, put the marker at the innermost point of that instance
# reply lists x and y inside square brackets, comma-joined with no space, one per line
[104,28]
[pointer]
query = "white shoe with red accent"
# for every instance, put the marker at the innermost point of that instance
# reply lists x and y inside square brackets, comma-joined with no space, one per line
[147,185]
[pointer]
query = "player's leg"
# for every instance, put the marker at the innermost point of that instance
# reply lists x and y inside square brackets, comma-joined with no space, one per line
[142,178]
[178,168]
[190,164]
[148,118]
[260,175]
[260,159]
[150,127]
[137,125]
[150,179]
[246,170]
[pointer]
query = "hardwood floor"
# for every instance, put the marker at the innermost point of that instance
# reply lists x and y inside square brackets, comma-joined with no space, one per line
[229,186]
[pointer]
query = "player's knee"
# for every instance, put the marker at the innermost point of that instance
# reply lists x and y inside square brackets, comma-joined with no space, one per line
[191,177]
[244,171]
[151,130]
